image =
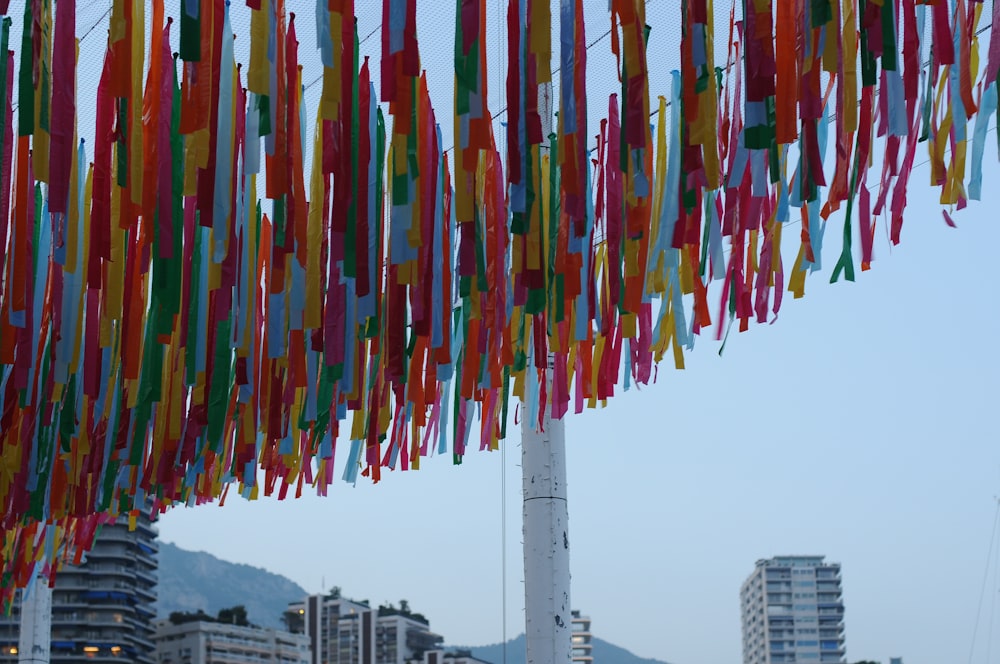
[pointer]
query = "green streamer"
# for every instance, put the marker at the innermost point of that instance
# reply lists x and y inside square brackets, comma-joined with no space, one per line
[5,94]
[25,89]
[190,41]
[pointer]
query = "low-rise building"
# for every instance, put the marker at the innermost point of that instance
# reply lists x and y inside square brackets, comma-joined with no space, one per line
[211,642]
[403,638]
[453,657]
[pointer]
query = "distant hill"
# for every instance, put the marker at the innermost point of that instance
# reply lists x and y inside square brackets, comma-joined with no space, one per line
[195,580]
[190,581]
[604,653]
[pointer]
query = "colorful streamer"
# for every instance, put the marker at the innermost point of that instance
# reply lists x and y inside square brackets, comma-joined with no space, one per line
[166,335]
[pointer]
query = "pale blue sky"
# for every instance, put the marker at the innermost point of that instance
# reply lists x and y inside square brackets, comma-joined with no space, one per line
[855,427]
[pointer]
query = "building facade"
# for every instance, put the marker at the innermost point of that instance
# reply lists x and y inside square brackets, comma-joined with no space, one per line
[341,631]
[454,657]
[403,639]
[207,642]
[583,649]
[792,610]
[102,609]
[344,631]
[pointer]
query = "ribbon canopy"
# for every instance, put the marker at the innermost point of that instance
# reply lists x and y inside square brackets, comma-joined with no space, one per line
[180,316]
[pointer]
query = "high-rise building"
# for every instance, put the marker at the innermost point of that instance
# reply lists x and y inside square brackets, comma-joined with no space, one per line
[582,647]
[212,642]
[793,611]
[341,631]
[344,631]
[102,609]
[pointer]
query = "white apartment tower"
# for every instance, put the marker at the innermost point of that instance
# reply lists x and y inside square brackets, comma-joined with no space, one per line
[583,648]
[792,610]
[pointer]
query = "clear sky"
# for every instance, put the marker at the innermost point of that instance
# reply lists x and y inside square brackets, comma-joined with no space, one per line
[856,427]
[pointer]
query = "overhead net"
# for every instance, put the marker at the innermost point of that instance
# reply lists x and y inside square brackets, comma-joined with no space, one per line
[217,274]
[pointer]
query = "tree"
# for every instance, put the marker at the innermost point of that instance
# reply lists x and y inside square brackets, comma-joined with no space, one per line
[236,615]
[181,617]
[404,607]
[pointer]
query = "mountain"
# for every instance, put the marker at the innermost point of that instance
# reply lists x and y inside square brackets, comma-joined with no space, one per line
[603,652]
[190,581]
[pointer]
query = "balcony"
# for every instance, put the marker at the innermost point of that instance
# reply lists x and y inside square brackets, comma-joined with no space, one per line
[146,575]
[142,641]
[106,569]
[114,533]
[73,582]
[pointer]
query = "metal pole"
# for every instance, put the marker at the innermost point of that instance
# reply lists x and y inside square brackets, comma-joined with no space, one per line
[34,641]
[548,627]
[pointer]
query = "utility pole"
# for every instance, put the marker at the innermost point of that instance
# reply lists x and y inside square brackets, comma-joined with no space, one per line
[548,626]
[34,642]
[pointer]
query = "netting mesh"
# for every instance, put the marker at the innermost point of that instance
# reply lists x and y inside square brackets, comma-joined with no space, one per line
[436,32]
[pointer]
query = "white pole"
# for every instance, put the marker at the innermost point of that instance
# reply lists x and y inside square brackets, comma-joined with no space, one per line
[548,627]
[34,641]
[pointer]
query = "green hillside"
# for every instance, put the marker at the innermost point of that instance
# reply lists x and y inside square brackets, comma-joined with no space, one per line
[190,581]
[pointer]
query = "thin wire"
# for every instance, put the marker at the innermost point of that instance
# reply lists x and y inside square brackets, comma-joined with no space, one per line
[982,590]
[993,606]
[96,23]
[374,30]
[320,77]
[555,71]
[17,105]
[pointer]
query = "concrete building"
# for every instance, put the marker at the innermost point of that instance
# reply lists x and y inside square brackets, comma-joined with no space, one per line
[402,638]
[102,609]
[208,642]
[344,631]
[341,631]
[455,657]
[792,611]
[582,646]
